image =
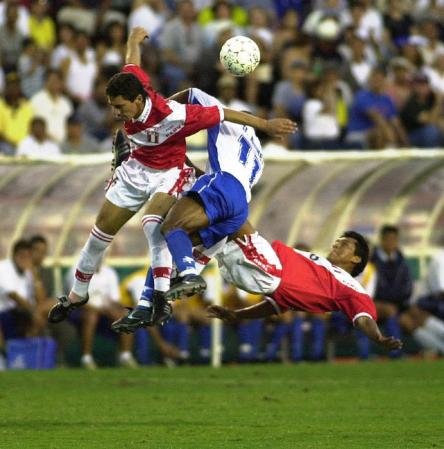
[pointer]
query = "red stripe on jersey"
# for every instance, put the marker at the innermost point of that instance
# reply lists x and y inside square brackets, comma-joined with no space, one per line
[83,277]
[253,255]
[184,177]
[200,257]
[162,272]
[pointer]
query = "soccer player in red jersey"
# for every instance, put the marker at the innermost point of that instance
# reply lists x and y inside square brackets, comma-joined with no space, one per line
[155,171]
[298,280]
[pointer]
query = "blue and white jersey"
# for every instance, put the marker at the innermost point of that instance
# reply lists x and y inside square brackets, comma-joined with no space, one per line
[231,147]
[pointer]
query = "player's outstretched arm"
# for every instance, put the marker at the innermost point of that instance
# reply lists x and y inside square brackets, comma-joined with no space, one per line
[260,310]
[277,127]
[136,37]
[371,329]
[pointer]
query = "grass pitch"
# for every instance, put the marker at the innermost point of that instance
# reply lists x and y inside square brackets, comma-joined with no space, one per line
[366,405]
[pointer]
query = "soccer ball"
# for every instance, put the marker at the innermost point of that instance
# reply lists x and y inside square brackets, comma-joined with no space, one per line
[240,55]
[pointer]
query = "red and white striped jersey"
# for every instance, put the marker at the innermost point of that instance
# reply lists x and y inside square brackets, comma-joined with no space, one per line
[311,283]
[157,136]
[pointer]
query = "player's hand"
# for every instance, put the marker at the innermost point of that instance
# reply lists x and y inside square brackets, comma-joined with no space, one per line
[390,343]
[280,127]
[222,313]
[138,34]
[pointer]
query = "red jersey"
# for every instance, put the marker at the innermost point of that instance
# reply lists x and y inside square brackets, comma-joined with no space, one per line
[157,136]
[312,284]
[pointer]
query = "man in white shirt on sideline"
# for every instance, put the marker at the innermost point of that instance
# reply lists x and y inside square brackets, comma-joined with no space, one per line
[104,300]
[37,144]
[425,319]
[18,315]
[51,104]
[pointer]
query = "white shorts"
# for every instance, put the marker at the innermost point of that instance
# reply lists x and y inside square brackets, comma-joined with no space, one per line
[134,183]
[249,263]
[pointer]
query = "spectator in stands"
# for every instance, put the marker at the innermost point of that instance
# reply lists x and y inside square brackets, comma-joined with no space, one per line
[149,14]
[399,86]
[111,49]
[80,69]
[16,114]
[432,46]
[227,89]
[23,15]
[181,42]
[104,301]
[41,25]
[421,114]
[11,38]
[64,333]
[320,124]
[411,50]
[32,68]
[77,141]
[397,21]
[394,281]
[374,121]
[435,74]
[18,288]
[37,143]
[287,32]
[289,95]
[51,104]
[425,319]
[95,114]
[65,46]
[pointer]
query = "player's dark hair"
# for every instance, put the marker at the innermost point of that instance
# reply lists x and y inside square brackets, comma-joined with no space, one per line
[389,229]
[37,239]
[361,249]
[126,85]
[20,245]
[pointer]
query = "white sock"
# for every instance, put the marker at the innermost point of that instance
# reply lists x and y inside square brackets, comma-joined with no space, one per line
[435,325]
[87,358]
[161,260]
[202,256]
[125,355]
[428,339]
[90,258]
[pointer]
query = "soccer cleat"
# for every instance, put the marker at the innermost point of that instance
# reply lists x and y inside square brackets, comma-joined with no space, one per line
[121,149]
[60,311]
[136,318]
[162,310]
[188,285]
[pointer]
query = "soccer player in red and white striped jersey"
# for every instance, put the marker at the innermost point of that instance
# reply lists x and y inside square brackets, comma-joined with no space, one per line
[155,171]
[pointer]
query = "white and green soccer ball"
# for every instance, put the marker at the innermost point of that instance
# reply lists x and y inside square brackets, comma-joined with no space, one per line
[240,55]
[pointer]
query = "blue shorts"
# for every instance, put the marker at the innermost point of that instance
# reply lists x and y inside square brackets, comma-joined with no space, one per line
[433,305]
[225,203]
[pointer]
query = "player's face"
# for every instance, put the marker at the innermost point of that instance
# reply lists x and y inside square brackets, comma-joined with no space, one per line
[124,109]
[342,252]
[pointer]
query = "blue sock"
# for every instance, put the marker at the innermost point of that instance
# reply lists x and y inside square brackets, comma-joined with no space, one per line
[245,348]
[256,337]
[204,336]
[318,338]
[183,340]
[148,289]
[181,249]
[168,331]
[393,329]
[363,345]
[297,339]
[278,334]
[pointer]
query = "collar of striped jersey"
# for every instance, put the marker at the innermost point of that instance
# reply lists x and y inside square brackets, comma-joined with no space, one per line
[146,111]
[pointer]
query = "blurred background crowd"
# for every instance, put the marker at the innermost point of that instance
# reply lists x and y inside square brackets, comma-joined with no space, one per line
[353,74]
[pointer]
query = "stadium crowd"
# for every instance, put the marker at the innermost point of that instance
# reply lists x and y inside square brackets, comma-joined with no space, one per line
[354,74]
[27,292]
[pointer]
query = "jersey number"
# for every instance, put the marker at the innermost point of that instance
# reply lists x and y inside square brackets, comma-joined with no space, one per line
[245,148]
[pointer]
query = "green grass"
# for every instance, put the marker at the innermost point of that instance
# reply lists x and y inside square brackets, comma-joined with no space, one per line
[366,405]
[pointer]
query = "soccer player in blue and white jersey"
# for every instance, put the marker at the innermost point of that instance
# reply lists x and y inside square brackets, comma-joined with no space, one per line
[215,207]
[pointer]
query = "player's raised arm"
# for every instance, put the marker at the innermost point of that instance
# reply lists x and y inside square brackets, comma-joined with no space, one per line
[371,329]
[278,127]
[136,37]
[260,310]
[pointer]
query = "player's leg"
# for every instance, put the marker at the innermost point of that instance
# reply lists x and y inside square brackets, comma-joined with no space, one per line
[90,318]
[109,220]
